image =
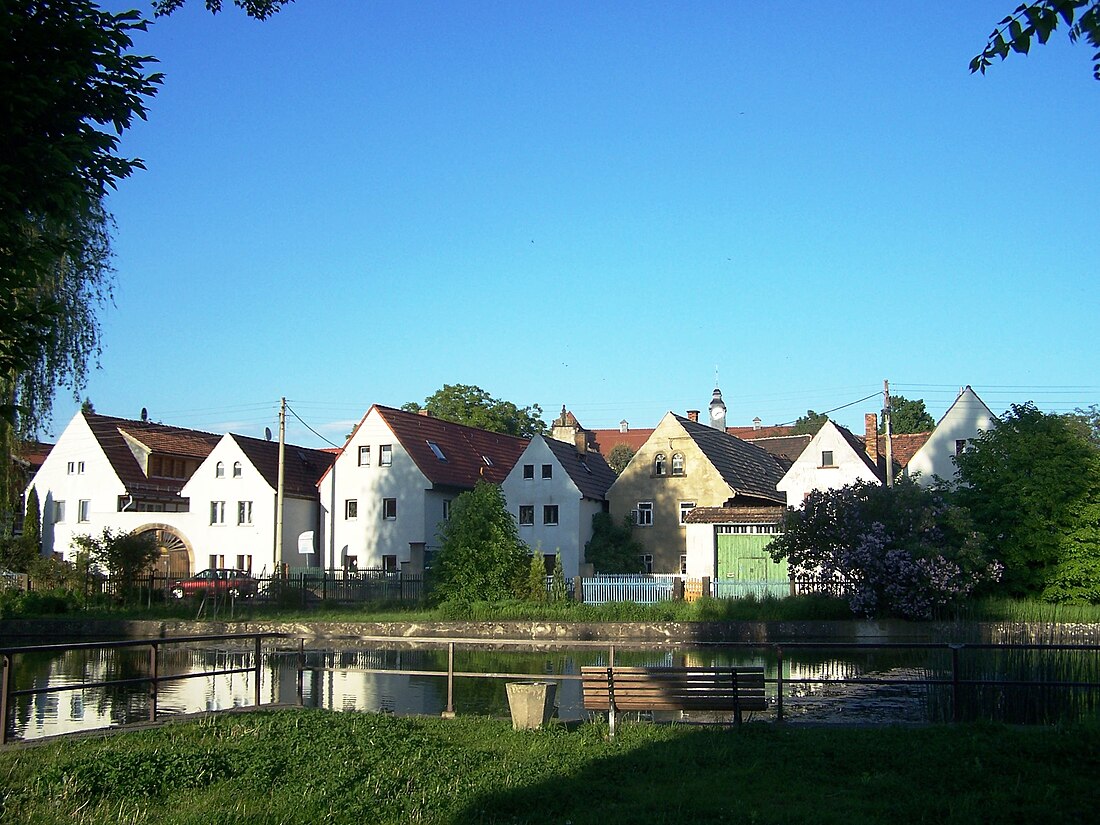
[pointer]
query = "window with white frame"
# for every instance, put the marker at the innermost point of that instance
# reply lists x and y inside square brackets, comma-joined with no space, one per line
[677,464]
[550,514]
[647,562]
[58,512]
[219,470]
[683,564]
[960,446]
[827,458]
[659,461]
[389,509]
[217,512]
[364,456]
[237,469]
[685,508]
[643,516]
[244,512]
[526,514]
[389,563]
[446,509]
[244,562]
[83,510]
[385,455]
[351,508]
[547,470]
[75,468]
[528,471]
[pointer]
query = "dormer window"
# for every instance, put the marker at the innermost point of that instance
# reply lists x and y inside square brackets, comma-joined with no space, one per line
[219,471]
[677,464]
[438,452]
[659,468]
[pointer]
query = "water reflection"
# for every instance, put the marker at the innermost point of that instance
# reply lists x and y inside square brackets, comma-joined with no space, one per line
[356,678]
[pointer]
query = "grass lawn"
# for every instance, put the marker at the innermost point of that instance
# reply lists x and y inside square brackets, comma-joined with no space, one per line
[311,766]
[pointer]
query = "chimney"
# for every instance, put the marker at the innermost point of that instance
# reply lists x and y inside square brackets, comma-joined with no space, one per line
[424,413]
[693,415]
[870,436]
[580,441]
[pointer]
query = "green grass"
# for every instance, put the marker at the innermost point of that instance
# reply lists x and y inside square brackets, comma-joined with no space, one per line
[318,766]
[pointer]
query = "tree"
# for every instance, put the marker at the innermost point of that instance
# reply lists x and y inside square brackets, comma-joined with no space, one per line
[558,590]
[1039,20]
[613,548]
[901,550]
[1031,484]
[474,407]
[481,557]
[619,457]
[259,9]
[121,555]
[908,416]
[810,423]
[536,579]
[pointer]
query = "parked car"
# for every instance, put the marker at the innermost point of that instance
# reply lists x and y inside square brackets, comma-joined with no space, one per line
[216,581]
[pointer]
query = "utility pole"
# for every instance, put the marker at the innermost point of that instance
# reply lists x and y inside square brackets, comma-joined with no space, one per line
[886,429]
[279,491]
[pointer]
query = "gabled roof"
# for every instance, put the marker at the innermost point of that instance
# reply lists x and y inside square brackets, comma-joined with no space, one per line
[606,440]
[786,448]
[859,448]
[748,469]
[752,433]
[588,471]
[159,438]
[465,449]
[302,466]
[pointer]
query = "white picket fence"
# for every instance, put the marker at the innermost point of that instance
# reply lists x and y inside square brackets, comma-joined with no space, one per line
[640,588]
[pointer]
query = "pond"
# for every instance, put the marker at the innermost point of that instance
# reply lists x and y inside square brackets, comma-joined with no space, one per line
[352,676]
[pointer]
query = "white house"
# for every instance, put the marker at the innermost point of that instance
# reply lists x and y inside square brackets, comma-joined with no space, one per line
[143,477]
[234,495]
[554,489]
[964,420]
[393,483]
[835,457]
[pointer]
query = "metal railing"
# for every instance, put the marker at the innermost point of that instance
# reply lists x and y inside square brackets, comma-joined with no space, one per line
[151,681]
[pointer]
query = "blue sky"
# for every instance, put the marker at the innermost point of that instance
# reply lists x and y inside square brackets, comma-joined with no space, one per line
[598,205]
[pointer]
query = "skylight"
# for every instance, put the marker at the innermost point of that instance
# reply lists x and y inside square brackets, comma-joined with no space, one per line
[438,452]
[488,461]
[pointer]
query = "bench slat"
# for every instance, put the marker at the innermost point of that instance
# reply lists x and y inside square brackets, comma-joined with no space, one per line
[672,688]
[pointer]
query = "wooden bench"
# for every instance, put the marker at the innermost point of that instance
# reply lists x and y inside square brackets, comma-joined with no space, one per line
[717,689]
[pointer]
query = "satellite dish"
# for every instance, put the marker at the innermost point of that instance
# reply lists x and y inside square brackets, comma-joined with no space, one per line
[144,414]
[267,433]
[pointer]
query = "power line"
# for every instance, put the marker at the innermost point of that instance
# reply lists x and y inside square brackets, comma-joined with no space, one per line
[304,424]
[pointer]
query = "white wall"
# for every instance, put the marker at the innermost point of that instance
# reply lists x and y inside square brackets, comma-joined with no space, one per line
[369,537]
[574,526]
[966,419]
[807,472]
[702,555]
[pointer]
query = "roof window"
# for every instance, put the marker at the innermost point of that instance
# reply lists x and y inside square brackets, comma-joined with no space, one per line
[438,452]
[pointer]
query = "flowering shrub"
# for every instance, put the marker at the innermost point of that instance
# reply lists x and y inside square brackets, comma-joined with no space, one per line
[900,550]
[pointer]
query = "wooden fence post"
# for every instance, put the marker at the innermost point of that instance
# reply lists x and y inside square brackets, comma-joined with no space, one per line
[5,685]
[578,589]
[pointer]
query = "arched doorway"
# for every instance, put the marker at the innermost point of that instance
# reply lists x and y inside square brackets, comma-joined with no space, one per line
[175,559]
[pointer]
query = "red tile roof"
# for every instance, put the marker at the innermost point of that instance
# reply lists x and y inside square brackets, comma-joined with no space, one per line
[606,440]
[470,454]
[735,515]
[302,467]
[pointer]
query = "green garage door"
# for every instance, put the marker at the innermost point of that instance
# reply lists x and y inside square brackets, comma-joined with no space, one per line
[744,566]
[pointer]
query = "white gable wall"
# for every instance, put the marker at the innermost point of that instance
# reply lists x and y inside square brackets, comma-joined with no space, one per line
[966,419]
[368,537]
[574,527]
[807,473]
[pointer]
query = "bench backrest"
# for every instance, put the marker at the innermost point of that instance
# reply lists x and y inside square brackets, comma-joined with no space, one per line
[674,688]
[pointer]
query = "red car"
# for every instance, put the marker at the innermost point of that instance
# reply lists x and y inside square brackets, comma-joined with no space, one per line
[216,581]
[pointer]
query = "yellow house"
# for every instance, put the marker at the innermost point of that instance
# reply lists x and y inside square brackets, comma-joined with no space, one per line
[683,465]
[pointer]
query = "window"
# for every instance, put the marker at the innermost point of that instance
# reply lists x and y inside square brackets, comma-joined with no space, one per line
[236,469]
[244,562]
[389,564]
[488,461]
[438,452]
[960,445]
[446,509]
[385,455]
[83,509]
[683,565]
[827,458]
[364,456]
[647,562]
[547,470]
[244,512]
[643,516]
[76,468]
[550,514]
[217,512]
[351,508]
[219,470]
[659,464]
[389,509]
[685,508]
[527,514]
[213,563]
[677,464]
[528,471]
